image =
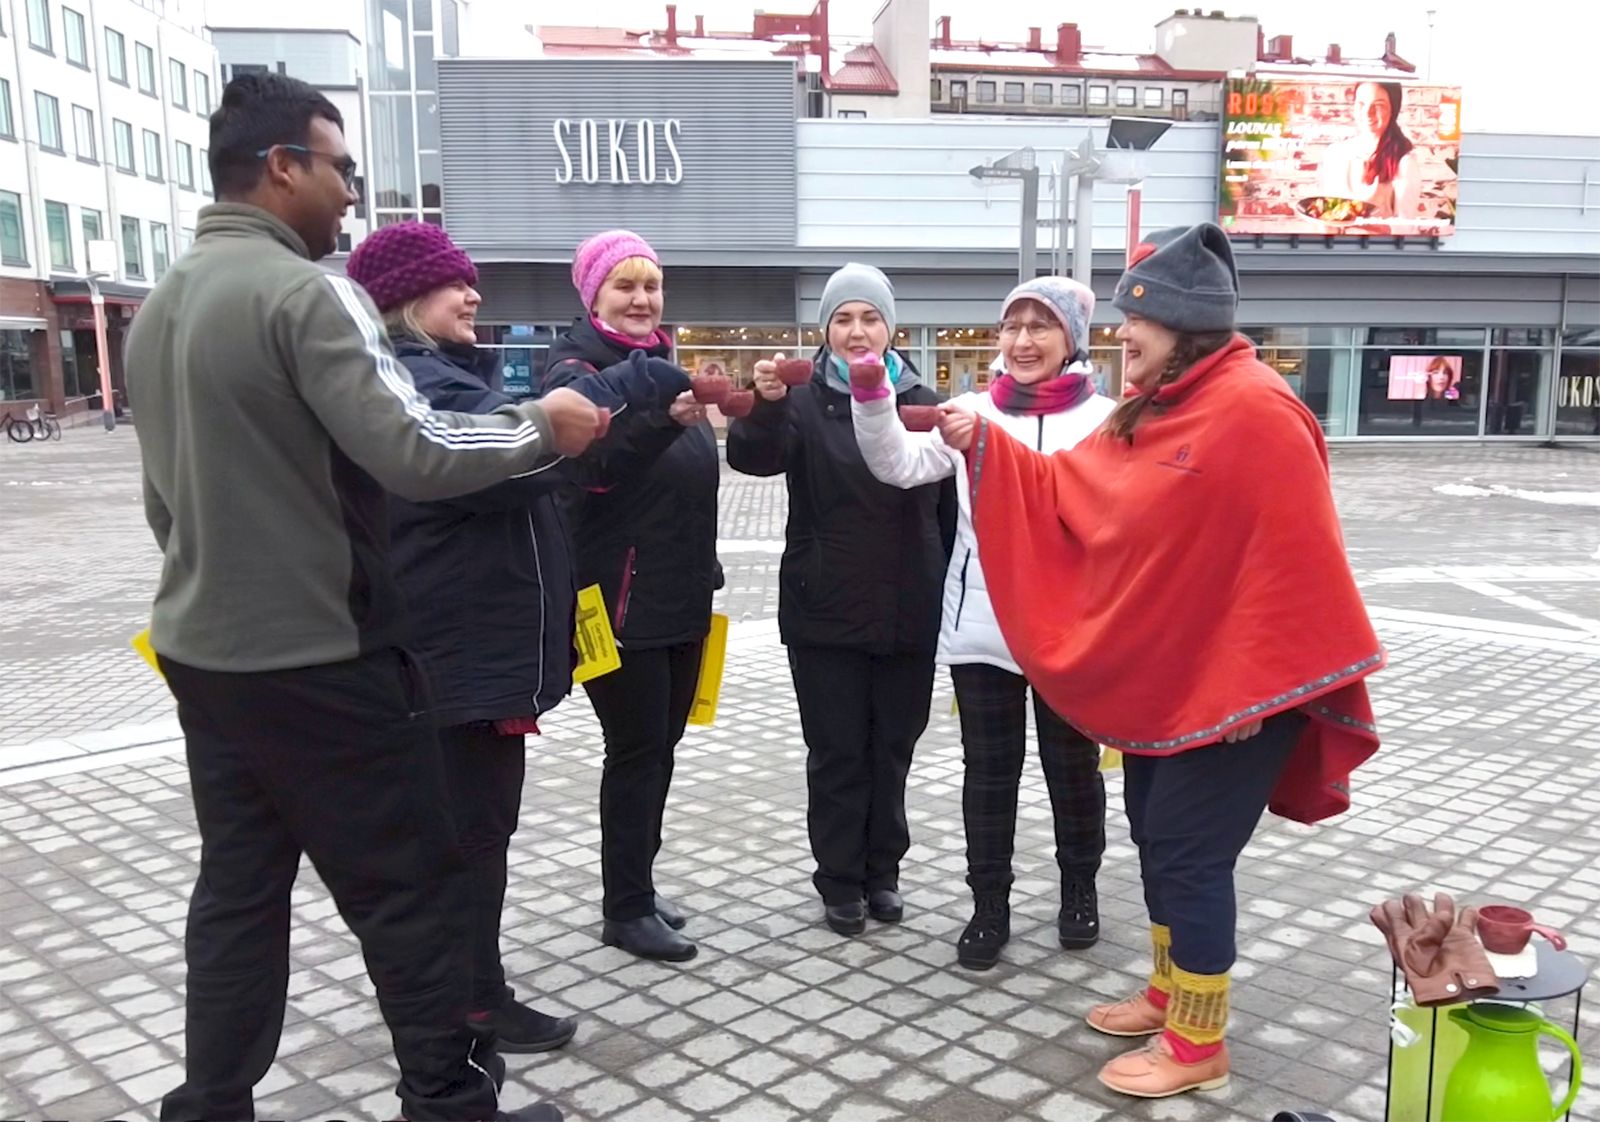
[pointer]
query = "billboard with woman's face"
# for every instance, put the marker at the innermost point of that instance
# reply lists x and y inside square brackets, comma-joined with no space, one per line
[1339,157]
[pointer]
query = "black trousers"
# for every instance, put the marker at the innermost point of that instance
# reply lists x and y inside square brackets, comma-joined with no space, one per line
[483,772]
[861,715]
[643,708]
[1191,815]
[335,762]
[992,704]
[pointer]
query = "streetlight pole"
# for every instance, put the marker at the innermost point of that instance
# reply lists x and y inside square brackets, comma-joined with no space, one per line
[102,352]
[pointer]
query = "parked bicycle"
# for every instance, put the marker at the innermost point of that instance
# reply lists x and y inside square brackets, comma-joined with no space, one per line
[35,424]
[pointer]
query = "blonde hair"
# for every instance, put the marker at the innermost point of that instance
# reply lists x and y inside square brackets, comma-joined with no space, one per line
[640,270]
[404,322]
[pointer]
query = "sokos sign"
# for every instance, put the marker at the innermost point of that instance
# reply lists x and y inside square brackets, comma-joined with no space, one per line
[585,136]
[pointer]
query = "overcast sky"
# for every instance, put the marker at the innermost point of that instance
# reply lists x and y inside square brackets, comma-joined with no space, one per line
[1527,66]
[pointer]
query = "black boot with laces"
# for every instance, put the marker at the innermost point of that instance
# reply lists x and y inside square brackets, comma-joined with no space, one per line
[1079,923]
[990,929]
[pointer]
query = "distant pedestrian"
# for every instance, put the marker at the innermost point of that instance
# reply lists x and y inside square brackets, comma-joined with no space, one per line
[272,417]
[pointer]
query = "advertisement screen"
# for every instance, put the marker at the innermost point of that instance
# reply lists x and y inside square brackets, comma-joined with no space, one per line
[1425,378]
[1339,157]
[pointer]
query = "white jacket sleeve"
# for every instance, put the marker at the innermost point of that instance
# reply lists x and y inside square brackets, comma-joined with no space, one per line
[895,456]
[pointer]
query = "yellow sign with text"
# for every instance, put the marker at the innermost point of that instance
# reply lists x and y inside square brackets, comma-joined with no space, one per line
[712,658]
[597,646]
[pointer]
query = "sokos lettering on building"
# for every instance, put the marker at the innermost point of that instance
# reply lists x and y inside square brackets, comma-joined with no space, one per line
[603,156]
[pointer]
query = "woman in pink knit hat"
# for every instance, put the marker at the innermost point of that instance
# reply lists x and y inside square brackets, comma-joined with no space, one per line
[488,583]
[650,543]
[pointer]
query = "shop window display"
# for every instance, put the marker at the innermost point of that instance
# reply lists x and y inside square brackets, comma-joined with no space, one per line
[1578,392]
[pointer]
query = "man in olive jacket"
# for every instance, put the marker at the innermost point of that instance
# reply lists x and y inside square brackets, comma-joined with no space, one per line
[272,416]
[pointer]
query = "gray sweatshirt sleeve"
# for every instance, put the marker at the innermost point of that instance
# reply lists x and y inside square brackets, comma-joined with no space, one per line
[335,346]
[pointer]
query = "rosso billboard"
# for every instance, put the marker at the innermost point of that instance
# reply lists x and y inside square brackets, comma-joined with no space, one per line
[1339,157]
[693,154]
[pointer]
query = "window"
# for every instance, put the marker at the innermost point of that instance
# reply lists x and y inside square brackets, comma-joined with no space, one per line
[1578,392]
[1071,95]
[186,239]
[1014,93]
[1042,93]
[91,228]
[8,127]
[202,94]
[39,24]
[17,357]
[160,250]
[1180,99]
[83,131]
[985,93]
[850,113]
[935,89]
[145,59]
[13,242]
[958,91]
[132,249]
[48,110]
[1153,97]
[58,222]
[205,180]
[77,38]
[178,83]
[185,165]
[1420,381]
[152,156]
[1099,95]
[116,56]
[1127,95]
[122,139]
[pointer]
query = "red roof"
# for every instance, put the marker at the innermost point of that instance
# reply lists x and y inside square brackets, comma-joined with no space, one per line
[864,72]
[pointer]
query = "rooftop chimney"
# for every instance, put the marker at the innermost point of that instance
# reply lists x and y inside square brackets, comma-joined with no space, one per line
[1335,55]
[1281,48]
[1035,39]
[1261,44]
[943,25]
[819,23]
[1388,44]
[672,25]
[1069,44]
[699,27]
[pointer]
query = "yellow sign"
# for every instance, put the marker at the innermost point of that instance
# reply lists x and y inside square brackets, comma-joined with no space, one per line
[141,643]
[597,647]
[712,657]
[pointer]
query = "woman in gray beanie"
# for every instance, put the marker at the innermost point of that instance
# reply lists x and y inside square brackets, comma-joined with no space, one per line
[858,601]
[1213,632]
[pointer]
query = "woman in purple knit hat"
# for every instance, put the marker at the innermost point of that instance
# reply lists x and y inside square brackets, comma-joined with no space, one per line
[488,580]
[650,543]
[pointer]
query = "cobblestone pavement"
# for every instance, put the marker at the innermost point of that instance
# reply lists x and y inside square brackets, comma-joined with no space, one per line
[1482,571]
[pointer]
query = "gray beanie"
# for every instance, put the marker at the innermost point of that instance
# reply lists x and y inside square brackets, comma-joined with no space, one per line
[1071,303]
[858,282]
[1183,278]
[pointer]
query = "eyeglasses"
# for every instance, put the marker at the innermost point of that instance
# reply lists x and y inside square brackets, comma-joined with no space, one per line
[344,165]
[1036,329]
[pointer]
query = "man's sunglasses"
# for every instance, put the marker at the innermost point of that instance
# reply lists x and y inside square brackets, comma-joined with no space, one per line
[344,165]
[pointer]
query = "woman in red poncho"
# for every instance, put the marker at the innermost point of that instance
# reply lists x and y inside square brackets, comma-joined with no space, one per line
[1176,586]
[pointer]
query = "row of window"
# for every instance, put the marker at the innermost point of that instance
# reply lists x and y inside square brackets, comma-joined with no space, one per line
[1044,93]
[58,223]
[41,35]
[189,172]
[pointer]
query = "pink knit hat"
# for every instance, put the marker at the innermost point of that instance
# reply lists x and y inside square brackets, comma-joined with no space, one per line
[595,259]
[408,259]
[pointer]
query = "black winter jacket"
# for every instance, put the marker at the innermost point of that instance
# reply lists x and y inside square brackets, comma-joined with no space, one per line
[488,577]
[648,535]
[863,562]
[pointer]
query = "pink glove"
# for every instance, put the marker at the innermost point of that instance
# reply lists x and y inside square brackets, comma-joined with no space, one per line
[867,381]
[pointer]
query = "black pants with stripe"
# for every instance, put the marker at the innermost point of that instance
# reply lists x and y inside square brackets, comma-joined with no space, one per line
[861,715]
[1191,815]
[992,704]
[643,708]
[341,764]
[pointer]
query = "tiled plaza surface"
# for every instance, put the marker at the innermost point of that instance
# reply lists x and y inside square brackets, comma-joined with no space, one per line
[1482,570]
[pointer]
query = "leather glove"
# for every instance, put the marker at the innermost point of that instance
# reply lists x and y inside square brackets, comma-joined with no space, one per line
[1439,951]
[668,379]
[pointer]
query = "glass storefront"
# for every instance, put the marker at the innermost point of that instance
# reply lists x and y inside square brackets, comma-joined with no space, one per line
[1358,381]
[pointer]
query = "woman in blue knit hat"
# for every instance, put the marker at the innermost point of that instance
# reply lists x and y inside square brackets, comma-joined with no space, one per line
[488,580]
[1042,394]
[858,601]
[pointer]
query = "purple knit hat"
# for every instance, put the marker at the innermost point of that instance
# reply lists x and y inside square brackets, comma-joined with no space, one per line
[595,259]
[408,259]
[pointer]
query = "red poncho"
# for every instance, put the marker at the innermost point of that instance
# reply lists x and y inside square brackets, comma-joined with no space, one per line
[1161,593]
